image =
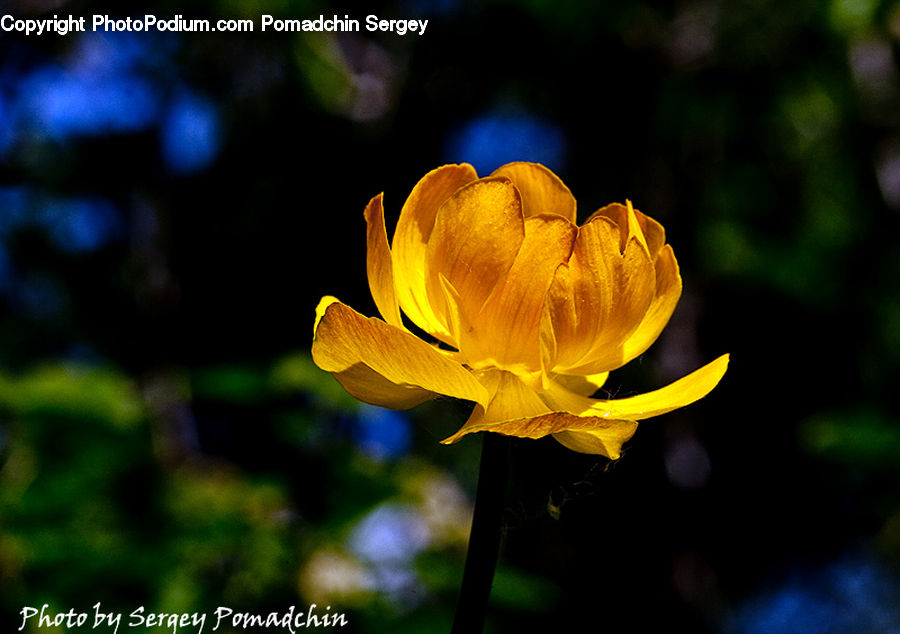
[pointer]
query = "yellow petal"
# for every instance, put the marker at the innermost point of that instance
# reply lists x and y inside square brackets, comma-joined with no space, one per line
[516,410]
[654,232]
[365,384]
[589,434]
[506,330]
[383,365]
[411,237]
[474,242]
[626,218]
[596,301]
[668,291]
[668,279]
[510,399]
[449,307]
[682,392]
[583,385]
[379,267]
[542,191]
[605,438]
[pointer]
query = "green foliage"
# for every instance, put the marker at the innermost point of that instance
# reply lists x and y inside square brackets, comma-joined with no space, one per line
[863,440]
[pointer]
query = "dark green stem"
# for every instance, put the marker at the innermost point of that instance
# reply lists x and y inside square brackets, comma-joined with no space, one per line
[484,540]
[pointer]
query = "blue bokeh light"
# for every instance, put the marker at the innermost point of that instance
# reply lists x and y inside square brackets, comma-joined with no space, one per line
[61,104]
[190,133]
[73,225]
[390,533]
[105,86]
[382,433]
[104,89]
[496,138]
[110,53]
[80,225]
[854,594]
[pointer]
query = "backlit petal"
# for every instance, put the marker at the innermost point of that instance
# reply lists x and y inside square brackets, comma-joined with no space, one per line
[583,434]
[597,300]
[605,437]
[682,392]
[653,232]
[516,409]
[506,329]
[379,267]
[510,399]
[383,365]
[583,385]
[411,237]
[625,217]
[668,280]
[668,291]
[542,191]
[474,242]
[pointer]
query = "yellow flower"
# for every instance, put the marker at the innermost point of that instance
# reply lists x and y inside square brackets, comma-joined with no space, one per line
[531,310]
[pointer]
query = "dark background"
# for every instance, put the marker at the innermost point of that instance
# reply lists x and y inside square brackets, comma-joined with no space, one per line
[173,206]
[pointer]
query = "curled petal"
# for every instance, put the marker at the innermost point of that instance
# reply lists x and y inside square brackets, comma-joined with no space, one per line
[510,399]
[583,385]
[596,301]
[474,242]
[383,365]
[542,191]
[668,291]
[379,267]
[516,409]
[506,329]
[365,384]
[589,434]
[654,233]
[682,392]
[626,218]
[668,279]
[411,237]
[449,307]
[604,437]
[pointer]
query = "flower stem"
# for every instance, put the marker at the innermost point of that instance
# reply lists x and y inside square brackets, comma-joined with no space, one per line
[484,539]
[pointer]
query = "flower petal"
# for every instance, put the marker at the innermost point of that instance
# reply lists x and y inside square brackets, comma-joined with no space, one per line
[668,279]
[510,399]
[542,191]
[506,330]
[383,365]
[606,437]
[668,291]
[476,236]
[682,392]
[365,384]
[516,410]
[411,237]
[625,217]
[379,267]
[586,434]
[596,301]
[583,385]
[653,232]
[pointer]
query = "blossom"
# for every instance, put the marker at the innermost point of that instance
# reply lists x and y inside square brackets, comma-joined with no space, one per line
[529,312]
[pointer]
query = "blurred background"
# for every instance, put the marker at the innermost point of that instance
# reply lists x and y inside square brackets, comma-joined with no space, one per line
[173,206]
